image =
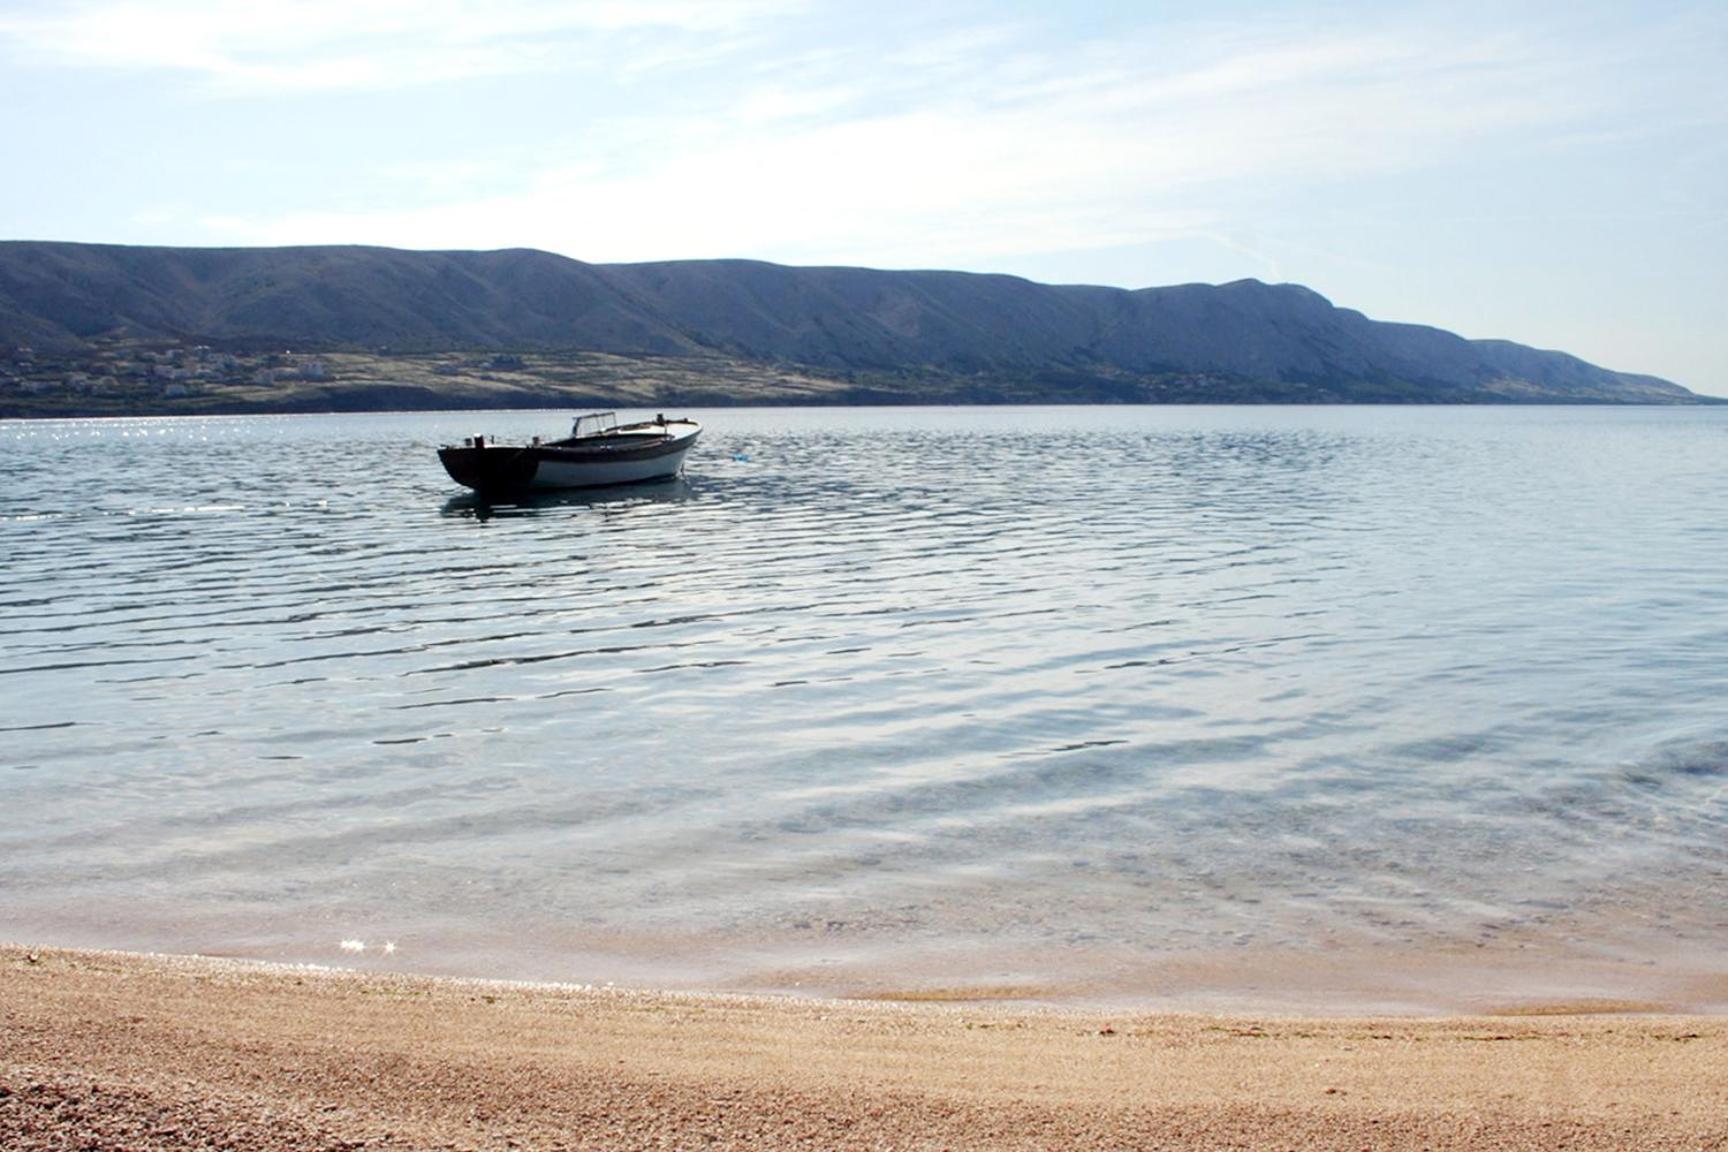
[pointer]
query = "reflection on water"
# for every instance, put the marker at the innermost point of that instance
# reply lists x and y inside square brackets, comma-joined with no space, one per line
[867,685]
[476,507]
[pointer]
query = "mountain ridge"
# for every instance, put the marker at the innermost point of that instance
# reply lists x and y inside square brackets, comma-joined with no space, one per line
[928,334]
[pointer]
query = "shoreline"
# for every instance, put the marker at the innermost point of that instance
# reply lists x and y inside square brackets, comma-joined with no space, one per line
[113,1049]
[1538,970]
[395,404]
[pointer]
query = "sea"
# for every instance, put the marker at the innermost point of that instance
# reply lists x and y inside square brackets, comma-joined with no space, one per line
[1362,707]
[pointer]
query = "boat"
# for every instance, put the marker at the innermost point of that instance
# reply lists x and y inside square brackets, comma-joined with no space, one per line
[598,453]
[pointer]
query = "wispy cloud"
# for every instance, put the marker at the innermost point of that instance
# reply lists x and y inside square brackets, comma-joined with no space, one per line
[922,139]
[1025,148]
[274,45]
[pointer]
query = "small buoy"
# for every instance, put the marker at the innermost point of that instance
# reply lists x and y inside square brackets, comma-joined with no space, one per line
[741,457]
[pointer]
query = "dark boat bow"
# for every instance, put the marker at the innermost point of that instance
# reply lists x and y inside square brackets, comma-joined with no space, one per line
[490,469]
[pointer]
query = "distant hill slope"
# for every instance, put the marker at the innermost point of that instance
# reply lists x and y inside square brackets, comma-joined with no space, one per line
[984,335]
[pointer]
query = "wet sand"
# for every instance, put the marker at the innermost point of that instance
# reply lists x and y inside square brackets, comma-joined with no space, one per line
[119,1051]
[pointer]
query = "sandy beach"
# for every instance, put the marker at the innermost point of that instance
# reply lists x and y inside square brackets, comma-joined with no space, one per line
[103,1050]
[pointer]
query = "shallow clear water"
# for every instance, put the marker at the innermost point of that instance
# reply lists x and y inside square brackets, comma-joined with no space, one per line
[872,690]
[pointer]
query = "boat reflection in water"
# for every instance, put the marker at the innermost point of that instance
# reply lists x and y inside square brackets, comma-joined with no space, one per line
[598,453]
[613,499]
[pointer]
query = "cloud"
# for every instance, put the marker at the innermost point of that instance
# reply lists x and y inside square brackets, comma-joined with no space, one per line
[1034,149]
[277,45]
[923,139]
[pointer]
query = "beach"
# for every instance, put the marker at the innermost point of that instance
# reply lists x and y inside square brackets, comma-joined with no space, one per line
[107,1050]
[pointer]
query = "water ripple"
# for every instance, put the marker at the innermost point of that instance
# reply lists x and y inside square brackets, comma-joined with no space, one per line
[1178,678]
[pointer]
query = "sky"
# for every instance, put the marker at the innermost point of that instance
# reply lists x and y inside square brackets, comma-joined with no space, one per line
[1551,173]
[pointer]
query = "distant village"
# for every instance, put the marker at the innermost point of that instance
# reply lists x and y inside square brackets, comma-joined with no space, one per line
[133,372]
[120,377]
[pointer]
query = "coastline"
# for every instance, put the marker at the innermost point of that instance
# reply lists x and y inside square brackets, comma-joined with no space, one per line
[110,1050]
[1582,962]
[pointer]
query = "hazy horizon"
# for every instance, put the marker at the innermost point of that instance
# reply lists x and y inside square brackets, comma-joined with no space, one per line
[1551,177]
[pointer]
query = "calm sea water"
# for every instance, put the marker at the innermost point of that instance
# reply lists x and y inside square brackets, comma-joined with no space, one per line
[1045,694]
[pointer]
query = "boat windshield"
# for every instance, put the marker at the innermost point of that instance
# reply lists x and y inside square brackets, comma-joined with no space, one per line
[595,424]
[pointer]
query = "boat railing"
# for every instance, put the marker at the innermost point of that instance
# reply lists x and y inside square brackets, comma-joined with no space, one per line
[595,424]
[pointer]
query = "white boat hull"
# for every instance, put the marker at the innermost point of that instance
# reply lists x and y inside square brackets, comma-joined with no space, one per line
[555,473]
